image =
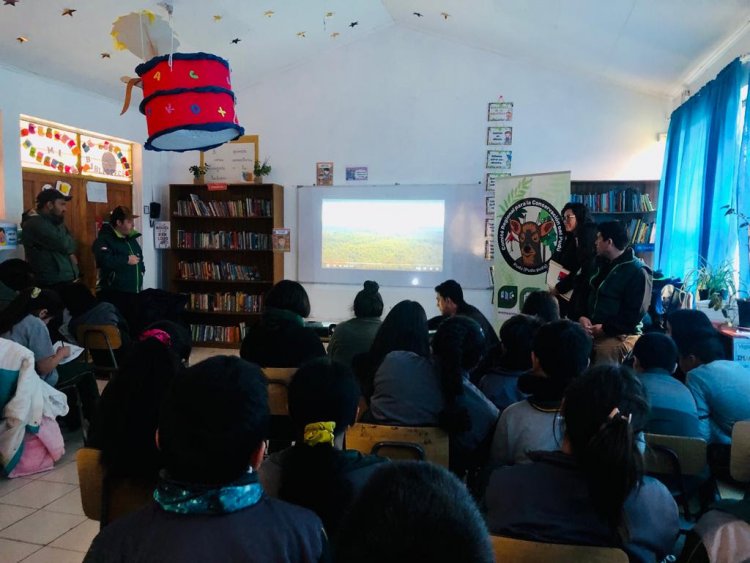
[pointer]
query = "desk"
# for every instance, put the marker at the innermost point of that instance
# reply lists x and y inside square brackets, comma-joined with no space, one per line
[737,344]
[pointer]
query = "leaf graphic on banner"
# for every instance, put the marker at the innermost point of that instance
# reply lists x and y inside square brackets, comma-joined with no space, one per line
[515,194]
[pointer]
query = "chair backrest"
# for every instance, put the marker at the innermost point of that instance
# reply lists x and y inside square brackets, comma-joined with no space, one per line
[400,442]
[739,462]
[663,451]
[509,550]
[105,499]
[278,382]
[99,337]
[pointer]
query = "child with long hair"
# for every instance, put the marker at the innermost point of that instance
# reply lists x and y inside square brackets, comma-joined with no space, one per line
[593,491]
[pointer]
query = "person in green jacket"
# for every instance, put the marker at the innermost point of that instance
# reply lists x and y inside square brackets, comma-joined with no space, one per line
[120,261]
[49,245]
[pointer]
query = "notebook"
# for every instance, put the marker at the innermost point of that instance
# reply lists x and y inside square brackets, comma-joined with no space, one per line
[555,272]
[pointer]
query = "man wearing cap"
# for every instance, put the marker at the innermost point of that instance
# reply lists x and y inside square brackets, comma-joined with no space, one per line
[120,260]
[48,243]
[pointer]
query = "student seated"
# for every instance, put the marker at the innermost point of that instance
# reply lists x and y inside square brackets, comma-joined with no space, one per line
[25,321]
[720,387]
[592,492]
[128,414]
[209,505]
[500,383]
[15,275]
[281,339]
[414,511]
[415,391]
[356,335]
[401,348]
[560,353]
[542,304]
[316,472]
[450,300]
[673,411]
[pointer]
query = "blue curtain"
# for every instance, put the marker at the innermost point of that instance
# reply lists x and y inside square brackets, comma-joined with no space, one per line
[704,170]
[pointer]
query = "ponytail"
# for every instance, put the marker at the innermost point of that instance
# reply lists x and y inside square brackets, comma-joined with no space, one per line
[458,346]
[604,409]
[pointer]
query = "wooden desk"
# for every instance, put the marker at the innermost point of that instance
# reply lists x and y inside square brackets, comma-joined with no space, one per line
[737,344]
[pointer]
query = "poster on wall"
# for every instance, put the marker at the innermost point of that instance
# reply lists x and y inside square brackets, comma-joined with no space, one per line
[356,173]
[324,173]
[162,237]
[8,235]
[499,135]
[499,159]
[232,163]
[282,240]
[528,230]
[500,111]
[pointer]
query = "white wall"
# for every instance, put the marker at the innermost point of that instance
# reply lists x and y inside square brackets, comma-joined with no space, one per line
[413,108]
[23,93]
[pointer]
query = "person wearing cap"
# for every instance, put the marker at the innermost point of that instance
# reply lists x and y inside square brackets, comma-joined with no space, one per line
[48,243]
[120,260]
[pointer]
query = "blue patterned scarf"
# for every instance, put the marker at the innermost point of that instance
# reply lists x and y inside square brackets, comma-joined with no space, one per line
[188,498]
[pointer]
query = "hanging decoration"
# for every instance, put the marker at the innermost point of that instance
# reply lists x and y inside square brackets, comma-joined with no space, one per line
[69,12]
[187,97]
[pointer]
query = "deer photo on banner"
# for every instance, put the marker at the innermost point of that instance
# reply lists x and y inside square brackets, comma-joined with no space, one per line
[528,230]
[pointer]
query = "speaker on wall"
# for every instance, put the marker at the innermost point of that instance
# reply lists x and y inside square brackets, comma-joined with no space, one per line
[154,210]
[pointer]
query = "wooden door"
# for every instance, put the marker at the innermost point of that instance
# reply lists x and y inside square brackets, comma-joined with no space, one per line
[82,218]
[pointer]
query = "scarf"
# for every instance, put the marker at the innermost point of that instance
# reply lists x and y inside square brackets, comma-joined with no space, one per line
[188,498]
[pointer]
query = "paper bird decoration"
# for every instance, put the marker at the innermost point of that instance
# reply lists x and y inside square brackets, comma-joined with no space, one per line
[68,12]
[445,15]
[105,56]
[329,14]
[217,18]
[269,13]
[144,34]
[302,34]
[10,3]
[335,34]
[236,40]
[417,14]
[353,24]
[21,39]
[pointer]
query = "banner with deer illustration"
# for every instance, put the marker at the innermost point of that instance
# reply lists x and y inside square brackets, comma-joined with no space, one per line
[528,230]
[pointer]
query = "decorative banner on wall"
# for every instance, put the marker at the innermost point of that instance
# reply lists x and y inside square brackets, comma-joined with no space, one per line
[529,228]
[48,148]
[102,158]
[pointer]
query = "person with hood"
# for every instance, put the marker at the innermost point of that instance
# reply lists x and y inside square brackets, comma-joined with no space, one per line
[120,261]
[577,256]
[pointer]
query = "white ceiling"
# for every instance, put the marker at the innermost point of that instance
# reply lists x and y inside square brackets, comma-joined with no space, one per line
[649,45]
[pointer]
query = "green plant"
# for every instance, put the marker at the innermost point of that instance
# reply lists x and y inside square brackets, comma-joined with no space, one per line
[198,170]
[262,169]
[744,219]
[718,282]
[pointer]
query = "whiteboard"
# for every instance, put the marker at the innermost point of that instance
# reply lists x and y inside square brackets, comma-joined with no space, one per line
[232,163]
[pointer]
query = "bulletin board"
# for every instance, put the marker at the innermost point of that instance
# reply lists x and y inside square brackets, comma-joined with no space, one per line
[232,163]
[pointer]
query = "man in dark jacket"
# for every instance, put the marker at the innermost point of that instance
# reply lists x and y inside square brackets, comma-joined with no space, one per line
[209,504]
[450,300]
[619,295]
[120,261]
[48,243]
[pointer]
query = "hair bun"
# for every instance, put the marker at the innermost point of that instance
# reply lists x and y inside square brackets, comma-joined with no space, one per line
[371,286]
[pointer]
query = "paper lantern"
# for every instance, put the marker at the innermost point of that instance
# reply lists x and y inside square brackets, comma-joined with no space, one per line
[188,105]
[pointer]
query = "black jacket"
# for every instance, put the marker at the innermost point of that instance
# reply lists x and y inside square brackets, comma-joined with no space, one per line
[112,251]
[280,340]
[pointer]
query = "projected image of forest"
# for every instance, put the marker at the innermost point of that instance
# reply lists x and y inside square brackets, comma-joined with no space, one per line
[383,234]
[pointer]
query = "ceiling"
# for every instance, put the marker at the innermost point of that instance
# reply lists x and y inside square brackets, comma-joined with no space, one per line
[648,45]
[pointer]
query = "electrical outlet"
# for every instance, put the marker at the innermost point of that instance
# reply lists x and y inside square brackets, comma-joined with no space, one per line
[146,210]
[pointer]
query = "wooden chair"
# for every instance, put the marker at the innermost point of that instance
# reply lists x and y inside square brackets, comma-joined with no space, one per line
[509,550]
[400,442]
[101,337]
[677,458]
[105,499]
[739,460]
[281,433]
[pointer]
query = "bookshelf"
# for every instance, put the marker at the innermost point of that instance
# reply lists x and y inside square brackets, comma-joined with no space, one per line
[632,202]
[221,256]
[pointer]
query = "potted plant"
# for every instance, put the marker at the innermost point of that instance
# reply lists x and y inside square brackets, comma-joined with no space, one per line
[715,284]
[199,173]
[743,303]
[260,170]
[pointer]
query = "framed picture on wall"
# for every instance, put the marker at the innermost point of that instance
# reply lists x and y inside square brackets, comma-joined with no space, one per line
[499,135]
[499,159]
[232,163]
[500,111]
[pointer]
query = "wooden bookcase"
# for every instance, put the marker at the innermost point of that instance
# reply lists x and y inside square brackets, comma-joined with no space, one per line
[650,188]
[257,256]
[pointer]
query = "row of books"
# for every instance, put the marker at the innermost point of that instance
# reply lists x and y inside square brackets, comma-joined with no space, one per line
[225,302]
[641,232]
[223,240]
[248,207]
[615,201]
[214,333]
[225,271]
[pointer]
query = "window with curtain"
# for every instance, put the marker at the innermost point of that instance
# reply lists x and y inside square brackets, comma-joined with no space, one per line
[705,168]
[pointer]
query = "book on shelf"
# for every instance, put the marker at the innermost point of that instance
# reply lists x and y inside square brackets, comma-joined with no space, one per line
[217,271]
[641,231]
[213,333]
[624,200]
[223,240]
[227,302]
[247,207]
